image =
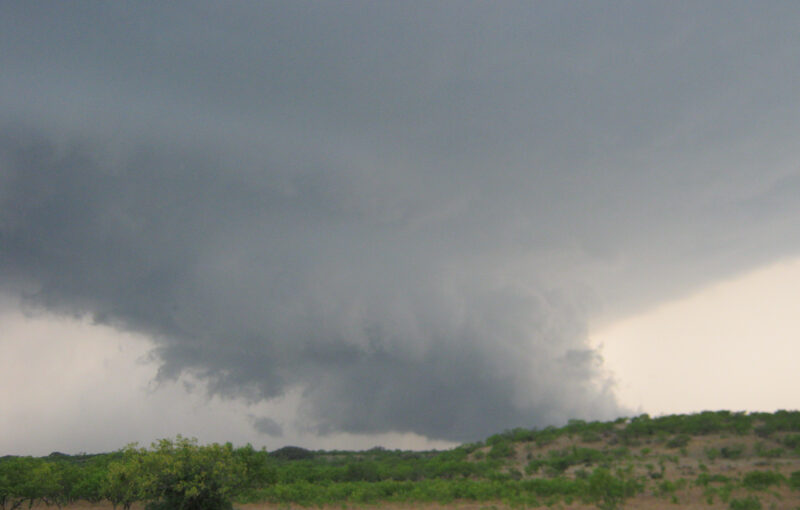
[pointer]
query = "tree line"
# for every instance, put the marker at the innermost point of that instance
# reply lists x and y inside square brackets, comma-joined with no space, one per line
[180,474]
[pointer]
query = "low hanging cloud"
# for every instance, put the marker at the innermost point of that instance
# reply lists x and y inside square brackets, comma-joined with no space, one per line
[258,290]
[267,426]
[409,214]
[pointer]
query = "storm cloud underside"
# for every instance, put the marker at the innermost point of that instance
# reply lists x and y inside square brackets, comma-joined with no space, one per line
[410,212]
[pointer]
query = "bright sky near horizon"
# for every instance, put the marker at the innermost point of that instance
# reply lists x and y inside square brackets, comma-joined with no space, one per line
[408,224]
[733,345]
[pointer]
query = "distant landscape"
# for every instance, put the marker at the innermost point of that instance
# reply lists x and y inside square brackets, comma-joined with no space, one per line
[441,228]
[709,460]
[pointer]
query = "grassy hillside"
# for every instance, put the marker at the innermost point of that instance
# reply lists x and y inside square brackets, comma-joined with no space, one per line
[706,460]
[711,459]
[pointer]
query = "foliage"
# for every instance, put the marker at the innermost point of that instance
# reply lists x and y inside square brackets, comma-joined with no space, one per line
[293,453]
[500,450]
[679,441]
[732,451]
[609,491]
[259,470]
[124,479]
[668,487]
[180,475]
[705,479]
[761,480]
[18,481]
[779,421]
[712,453]
[763,451]
[748,503]
[707,422]
[792,441]
[560,460]
[794,480]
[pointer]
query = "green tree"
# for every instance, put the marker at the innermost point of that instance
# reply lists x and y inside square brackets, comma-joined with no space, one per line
[56,481]
[260,469]
[23,479]
[180,475]
[90,482]
[7,484]
[124,481]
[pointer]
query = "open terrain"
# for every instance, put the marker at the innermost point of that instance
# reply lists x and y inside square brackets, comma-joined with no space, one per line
[708,460]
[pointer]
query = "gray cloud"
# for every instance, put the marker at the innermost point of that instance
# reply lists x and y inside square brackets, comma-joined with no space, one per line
[410,212]
[266,425]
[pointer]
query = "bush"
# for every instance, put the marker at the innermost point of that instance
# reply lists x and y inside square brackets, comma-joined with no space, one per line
[704,479]
[609,491]
[761,480]
[181,475]
[666,487]
[519,435]
[590,436]
[560,460]
[679,441]
[763,451]
[748,503]
[732,451]
[792,441]
[501,450]
[780,421]
[712,453]
[764,431]
[547,436]
[794,480]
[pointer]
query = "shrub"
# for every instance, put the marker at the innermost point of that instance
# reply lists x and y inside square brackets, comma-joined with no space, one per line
[609,491]
[180,475]
[792,441]
[748,503]
[582,474]
[590,436]
[520,434]
[732,451]
[704,479]
[679,441]
[471,447]
[771,453]
[560,460]
[794,480]
[764,431]
[761,480]
[546,436]
[533,466]
[501,450]
[666,487]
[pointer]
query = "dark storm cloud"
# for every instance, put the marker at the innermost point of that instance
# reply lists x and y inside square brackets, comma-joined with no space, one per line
[410,212]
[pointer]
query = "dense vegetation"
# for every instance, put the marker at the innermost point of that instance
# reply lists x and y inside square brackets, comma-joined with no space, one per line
[592,462]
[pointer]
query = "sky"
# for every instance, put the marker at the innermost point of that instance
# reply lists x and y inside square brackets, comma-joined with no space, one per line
[342,225]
